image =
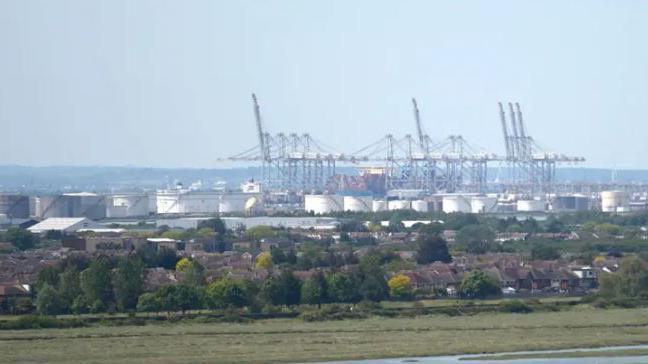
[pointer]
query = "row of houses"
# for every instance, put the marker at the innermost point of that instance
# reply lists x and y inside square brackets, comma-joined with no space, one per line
[533,277]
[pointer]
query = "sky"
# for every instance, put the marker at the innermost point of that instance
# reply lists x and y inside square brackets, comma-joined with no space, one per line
[167,83]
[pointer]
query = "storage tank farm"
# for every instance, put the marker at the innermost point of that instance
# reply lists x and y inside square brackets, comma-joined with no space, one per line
[457,203]
[323,204]
[399,205]
[420,206]
[483,204]
[379,205]
[615,201]
[358,203]
[531,206]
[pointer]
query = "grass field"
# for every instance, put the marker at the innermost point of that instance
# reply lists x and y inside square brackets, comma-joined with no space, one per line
[292,340]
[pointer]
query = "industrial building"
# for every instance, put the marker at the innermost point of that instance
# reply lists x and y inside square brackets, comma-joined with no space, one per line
[65,224]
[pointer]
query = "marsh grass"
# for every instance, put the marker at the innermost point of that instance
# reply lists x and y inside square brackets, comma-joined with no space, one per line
[294,340]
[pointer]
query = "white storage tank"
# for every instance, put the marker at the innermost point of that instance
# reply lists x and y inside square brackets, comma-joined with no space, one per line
[234,202]
[531,206]
[357,203]
[420,206]
[613,201]
[323,204]
[398,205]
[127,206]
[379,205]
[483,204]
[456,203]
[190,202]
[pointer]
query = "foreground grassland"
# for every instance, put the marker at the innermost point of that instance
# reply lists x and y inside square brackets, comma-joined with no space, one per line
[292,340]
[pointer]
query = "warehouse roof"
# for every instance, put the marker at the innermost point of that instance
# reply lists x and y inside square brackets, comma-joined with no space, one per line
[64,224]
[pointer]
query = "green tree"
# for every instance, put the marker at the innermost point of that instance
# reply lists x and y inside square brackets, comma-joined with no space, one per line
[544,252]
[477,284]
[282,290]
[48,301]
[260,232]
[177,298]
[314,291]
[554,225]
[291,286]
[215,224]
[343,287]
[69,287]
[48,275]
[148,302]
[277,255]
[272,292]
[432,248]
[194,276]
[187,297]
[96,282]
[20,238]
[631,280]
[477,239]
[226,293]
[166,258]
[374,288]
[291,257]
[128,281]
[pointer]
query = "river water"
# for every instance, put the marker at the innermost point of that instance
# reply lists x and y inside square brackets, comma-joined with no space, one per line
[455,359]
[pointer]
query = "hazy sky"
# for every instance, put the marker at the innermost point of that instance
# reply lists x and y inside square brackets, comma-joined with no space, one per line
[168,83]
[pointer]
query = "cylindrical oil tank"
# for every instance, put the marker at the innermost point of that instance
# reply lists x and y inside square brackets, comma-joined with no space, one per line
[456,203]
[14,206]
[612,201]
[357,203]
[379,205]
[323,204]
[420,206]
[483,204]
[571,203]
[531,205]
[398,205]
[230,203]
[127,206]
[86,204]
[52,206]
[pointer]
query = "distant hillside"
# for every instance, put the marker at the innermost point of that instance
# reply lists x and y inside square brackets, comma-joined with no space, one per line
[64,178]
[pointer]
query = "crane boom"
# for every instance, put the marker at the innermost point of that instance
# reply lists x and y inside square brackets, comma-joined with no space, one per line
[516,137]
[523,136]
[259,125]
[507,141]
[419,128]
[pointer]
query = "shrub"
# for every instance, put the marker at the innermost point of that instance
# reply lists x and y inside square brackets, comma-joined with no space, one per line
[39,322]
[516,306]
[332,312]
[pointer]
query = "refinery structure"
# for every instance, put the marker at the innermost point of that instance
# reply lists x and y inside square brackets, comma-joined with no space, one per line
[418,171]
